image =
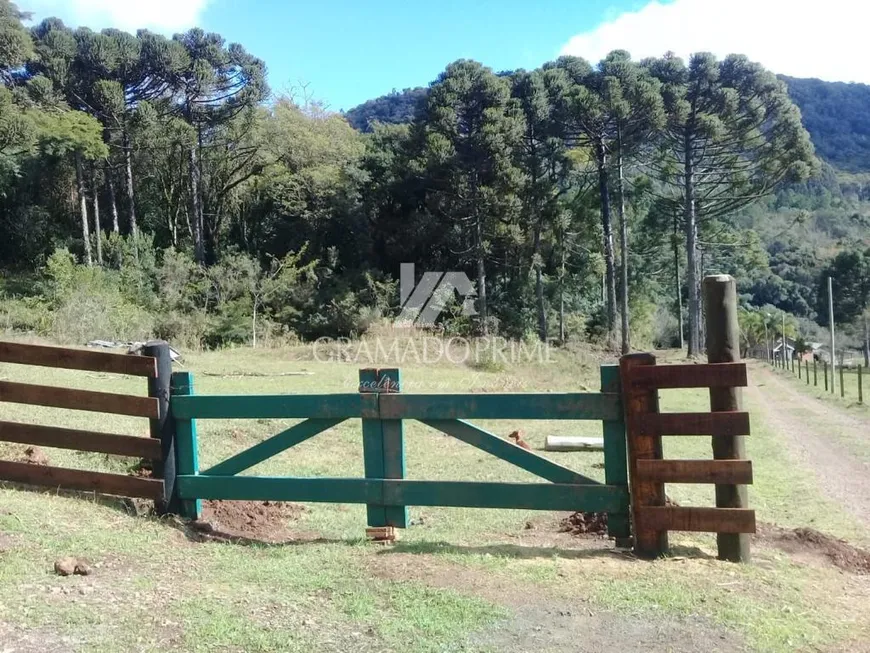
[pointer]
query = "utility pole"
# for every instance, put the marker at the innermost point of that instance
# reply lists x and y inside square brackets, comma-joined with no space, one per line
[766,339]
[831,323]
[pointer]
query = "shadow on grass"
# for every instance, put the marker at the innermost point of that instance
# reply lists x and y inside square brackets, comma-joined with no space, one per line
[515,551]
[204,533]
[520,552]
[689,552]
[132,507]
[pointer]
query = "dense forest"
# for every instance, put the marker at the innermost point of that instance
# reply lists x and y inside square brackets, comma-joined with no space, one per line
[156,186]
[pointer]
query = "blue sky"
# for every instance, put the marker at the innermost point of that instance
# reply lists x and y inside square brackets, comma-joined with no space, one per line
[349,51]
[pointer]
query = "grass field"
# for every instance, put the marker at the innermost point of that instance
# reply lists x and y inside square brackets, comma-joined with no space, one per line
[459,579]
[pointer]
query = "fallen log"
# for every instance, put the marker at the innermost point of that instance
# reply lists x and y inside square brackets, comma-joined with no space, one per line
[573,443]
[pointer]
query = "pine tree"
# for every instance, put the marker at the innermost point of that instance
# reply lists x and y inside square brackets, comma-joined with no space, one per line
[731,135]
[470,130]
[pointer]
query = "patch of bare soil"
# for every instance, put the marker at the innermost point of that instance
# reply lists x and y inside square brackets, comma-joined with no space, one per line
[567,629]
[540,621]
[261,521]
[837,552]
[585,523]
[26,640]
[7,542]
[811,428]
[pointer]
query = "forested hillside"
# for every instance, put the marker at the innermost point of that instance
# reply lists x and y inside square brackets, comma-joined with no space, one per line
[836,116]
[395,108]
[155,186]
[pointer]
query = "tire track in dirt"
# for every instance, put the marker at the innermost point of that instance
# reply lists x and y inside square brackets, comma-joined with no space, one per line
[813,431]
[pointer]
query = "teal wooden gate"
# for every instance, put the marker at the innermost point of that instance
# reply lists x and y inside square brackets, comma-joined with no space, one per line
[382,407]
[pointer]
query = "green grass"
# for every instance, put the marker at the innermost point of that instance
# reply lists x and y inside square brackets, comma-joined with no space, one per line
[454,575]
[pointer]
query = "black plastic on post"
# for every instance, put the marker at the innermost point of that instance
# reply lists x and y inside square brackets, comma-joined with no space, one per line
[163,427]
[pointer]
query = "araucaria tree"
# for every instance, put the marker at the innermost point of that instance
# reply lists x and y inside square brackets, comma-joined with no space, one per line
[213,85]
[544,159]
[470,128]
[732,134]
[633,100]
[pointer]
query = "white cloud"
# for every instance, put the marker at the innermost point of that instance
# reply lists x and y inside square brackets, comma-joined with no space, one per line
[801,38]
[159,15]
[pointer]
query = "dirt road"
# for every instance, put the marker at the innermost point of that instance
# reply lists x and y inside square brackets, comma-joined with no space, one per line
[827,438]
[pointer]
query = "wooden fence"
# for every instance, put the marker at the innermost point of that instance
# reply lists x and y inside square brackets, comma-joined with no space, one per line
[850,383]
[729,470]
[635,471]
[153,407]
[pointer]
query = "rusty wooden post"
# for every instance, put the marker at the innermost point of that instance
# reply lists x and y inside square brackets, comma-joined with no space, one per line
[825,371]
[637,403]
[815,373]
[723,346]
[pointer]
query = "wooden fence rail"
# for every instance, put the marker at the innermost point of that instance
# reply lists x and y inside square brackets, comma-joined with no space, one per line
[77,359]
[156,449]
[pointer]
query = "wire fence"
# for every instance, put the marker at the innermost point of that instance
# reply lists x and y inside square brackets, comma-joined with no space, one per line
[846,381]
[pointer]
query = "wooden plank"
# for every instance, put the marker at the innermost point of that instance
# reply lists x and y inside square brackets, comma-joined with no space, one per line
[52,436]
[76,479]
[281,488]
[737,472]
[522,496]
[640,400]
[271,447]
[706,375]
[326,406]
[615,456]
[393,437]
[716,424]
[508,451]
[77,359]
[381,533]
[100,402]
[526,496]
[704,520]
[513,406]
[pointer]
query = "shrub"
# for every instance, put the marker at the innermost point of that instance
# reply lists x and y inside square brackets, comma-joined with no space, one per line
[87,303]
[29,314]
